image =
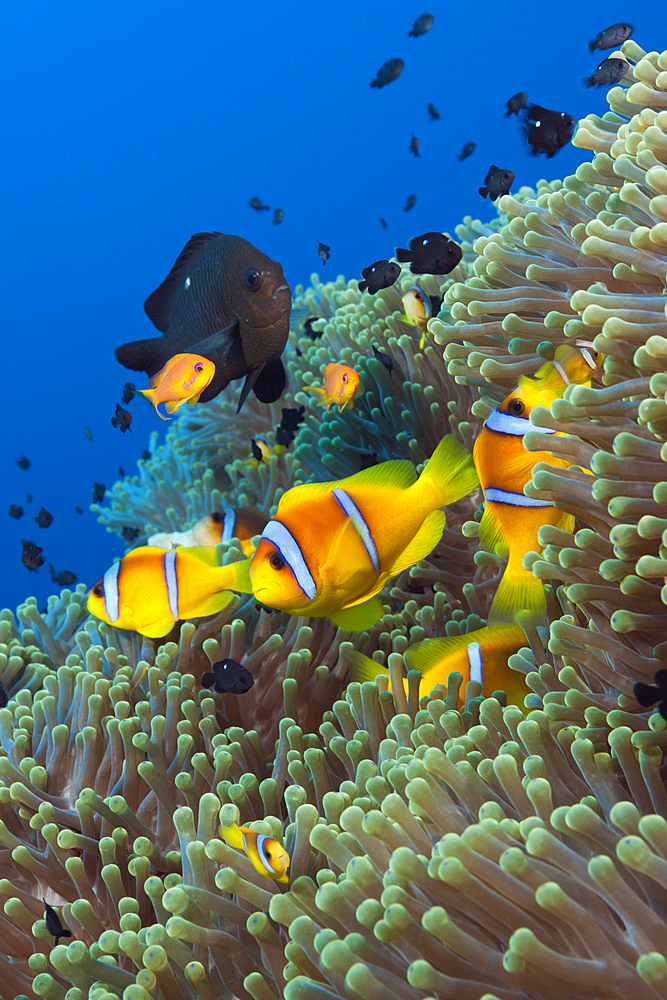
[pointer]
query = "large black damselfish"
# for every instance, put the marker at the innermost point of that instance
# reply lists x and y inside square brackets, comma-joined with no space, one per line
[228,301]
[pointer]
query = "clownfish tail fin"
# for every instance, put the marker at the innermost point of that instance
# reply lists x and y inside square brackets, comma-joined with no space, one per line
[519,591]
[450,471]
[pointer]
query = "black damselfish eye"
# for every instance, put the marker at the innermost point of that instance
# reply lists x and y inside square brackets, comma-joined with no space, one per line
[517,407]
[252,279]
[277,561]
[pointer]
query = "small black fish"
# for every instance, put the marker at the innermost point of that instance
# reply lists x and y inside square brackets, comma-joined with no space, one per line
[548,131]
[89,434]
[414,146]
[130,534]
[4,697]
[386,360]
[611,37]
[23,462]
[129,390]
[411,202]
[516,103]
[44,519]
[98,492]
[388,71]
[423,24]
[121,472]
[32,556]
[383,222]
[64,579]
[308,328]
[498,181]
[278,216]
[54,925]
[146,454]
[228,676]
[79,510]
[256,450]
[467,150]
[257,204]
[609,71]
[648,694]
[432,253]
[323,252]
[289,423]
[433,112]
[228,301]
[368,459]
[28,497]
[122,419]
[381,274]
[15,511]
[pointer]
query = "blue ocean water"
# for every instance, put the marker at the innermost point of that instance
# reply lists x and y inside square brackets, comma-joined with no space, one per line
[129,127]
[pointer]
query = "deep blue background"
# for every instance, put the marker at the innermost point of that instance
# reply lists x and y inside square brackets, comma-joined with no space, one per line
[129,126]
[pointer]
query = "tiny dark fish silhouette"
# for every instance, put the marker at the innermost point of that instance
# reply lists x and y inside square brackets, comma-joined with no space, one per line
[228,676]
[433,112]
[23,462]
[28,497]
[121,472]
[387,361]
[258,205]
[4,697]
[368,459]
[32,557]
[516,103]
[548,131]
[15,511]
[467,150]
[611,37]
[648,694]
[289,423]
[411,202]
[130,534]
[98,492]
[423,24]
[146,455]
[608,72]
[498,181]
[89,434]
[414,146]
[54,925]
[44,519]
[383,222]
[381,274]
[129,390]
[122,419]
[256,450]
[79,510]
[323,252]
[308,328]
[278,216]
[64,579]
[432,253]
[388,71]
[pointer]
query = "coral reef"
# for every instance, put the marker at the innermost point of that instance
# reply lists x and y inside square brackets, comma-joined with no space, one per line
[488,853]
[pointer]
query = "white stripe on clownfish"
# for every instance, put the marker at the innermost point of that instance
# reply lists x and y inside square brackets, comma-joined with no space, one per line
[475,661]
[228,524]
[506,423]
[110,590]
[358,523]
[171,580]
[516,499]
[282,538]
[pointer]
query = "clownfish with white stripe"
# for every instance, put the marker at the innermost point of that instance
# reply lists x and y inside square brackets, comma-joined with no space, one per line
[149,589]
[419,307]
[511,520]
[267,854]
[220,526]
[479,656]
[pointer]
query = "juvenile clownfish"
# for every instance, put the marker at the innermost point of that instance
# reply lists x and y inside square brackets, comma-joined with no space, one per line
[418,311]
[340,386]
[150,589]
[182,380]
[267,854]
[511,520]
[220,526]
[478,656]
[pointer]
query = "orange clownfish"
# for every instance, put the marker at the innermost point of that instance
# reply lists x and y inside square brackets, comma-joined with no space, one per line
[479,656]
[340,386]
[418,310]
[220,526]
[511,520]
[182,380]
[150,589]
[267,854]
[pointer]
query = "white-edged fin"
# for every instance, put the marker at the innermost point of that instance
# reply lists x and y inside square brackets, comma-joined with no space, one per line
[111,594]
[475,661]
[171,580]
[352,511]
[284,541]
[228,524]
[516,499]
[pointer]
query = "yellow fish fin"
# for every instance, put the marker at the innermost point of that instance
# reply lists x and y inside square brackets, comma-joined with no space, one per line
[155,380]
[157,629]
[398,474]
[518,591]
[359,616]
[314,388]
[423,542]
[362,668]
[212,604]
[205,553]
[172,405]
[233,836]
[236,577]
[193,399]
[451,471]
[491,532]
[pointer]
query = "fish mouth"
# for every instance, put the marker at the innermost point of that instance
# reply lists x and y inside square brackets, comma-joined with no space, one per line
[282,287]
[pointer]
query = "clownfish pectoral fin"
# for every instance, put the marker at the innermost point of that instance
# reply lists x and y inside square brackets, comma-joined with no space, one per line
[213,604]
[157,629]
[362,668]
[359,616]
[423,542]
[518,591]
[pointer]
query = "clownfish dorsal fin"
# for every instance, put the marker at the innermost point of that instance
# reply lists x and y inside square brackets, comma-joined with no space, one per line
[398,473]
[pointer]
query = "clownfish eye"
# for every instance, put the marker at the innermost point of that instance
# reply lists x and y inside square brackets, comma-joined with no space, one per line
[276,561]
[217,517]
[252,279]
[517,407]
[98,590]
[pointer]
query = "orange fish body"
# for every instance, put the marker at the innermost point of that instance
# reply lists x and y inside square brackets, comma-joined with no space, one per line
[150,589]
[182,380]
[220,526]
[267,854]
[511,520]
[418,310]
[341,385]
[478,656]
